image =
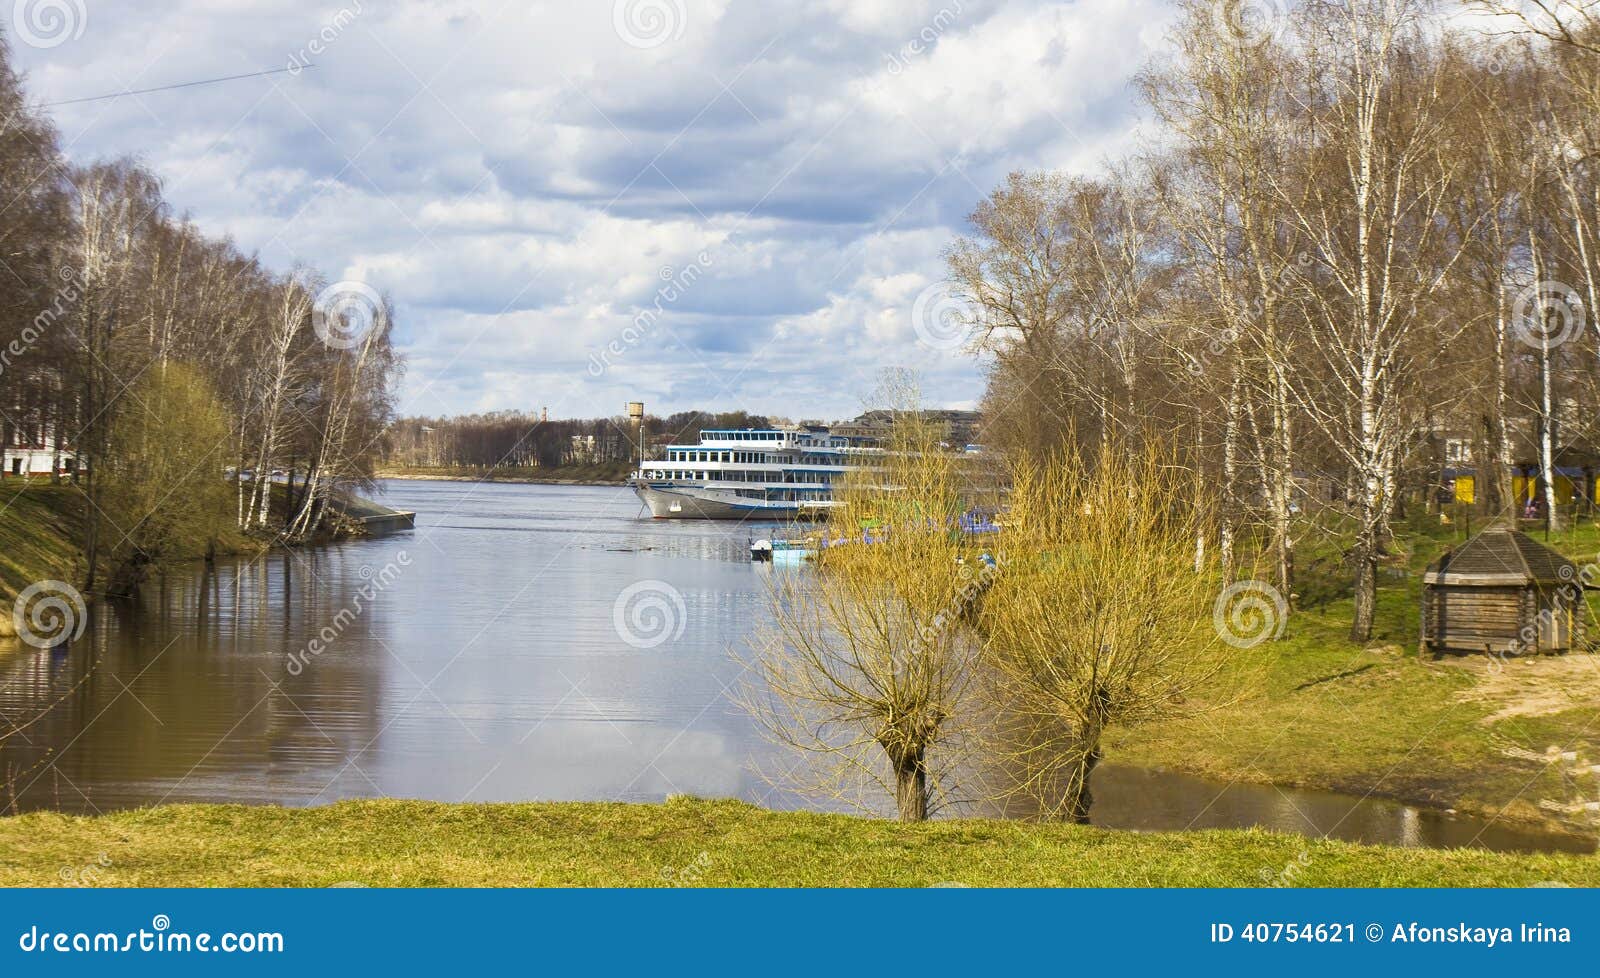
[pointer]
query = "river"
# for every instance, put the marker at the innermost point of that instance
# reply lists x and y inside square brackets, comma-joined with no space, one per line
[523,643]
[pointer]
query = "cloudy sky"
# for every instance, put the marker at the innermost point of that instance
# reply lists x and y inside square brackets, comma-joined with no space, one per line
[525,178]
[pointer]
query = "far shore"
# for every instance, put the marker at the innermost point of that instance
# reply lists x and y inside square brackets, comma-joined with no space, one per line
[511,476]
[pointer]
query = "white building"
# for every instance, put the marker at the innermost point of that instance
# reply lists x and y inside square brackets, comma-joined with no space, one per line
[32,452]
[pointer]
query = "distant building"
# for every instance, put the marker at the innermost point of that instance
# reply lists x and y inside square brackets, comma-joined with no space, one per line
[960,427]
[32,450]
[1456,449]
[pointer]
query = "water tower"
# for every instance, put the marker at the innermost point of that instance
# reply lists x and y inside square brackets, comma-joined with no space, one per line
[636,417]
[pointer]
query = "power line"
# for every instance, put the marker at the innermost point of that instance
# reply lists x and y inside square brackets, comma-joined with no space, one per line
[168,88]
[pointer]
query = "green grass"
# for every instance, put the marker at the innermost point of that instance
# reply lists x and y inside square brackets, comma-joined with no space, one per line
[1328,713]
[39,526]
[696,843]
[41,534]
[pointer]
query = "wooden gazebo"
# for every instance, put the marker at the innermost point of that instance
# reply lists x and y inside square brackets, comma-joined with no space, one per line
[1502,591]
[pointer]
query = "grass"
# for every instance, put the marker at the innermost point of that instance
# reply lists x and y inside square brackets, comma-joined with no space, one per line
[40,525]
[1466,733]
[696,843]
[41,530]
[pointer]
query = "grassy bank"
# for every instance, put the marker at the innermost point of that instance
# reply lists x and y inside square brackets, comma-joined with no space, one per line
[607,474]
[41,536]
[696,843]
[1468,733]
[40,525]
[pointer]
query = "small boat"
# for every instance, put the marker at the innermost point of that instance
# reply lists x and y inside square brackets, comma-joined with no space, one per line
[782,550]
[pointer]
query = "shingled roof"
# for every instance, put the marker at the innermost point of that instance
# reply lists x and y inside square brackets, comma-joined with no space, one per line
[1501,556]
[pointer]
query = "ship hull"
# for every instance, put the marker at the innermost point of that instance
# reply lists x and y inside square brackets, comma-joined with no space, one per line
[689,503]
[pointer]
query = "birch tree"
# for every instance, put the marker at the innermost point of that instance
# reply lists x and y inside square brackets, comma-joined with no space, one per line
[1367,197]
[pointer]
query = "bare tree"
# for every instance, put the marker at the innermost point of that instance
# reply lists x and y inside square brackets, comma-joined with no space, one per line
[1099,619]
[868,665]
[1367,196]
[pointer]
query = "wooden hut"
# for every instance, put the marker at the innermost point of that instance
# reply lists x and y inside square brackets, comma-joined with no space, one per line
[1503,592]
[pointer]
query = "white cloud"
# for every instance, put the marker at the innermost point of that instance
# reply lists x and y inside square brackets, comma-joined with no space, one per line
[518,176]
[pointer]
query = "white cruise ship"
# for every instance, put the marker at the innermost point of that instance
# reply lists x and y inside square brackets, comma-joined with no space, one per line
[755,474]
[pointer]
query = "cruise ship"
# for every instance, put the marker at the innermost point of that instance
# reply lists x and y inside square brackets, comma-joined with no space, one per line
[752,474]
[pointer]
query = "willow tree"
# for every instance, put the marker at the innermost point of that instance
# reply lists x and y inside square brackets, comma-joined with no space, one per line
[1100,618]
[867,665]
[165,497]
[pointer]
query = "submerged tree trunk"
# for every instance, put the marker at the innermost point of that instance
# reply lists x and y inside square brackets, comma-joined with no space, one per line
[1079,797]
[129,575]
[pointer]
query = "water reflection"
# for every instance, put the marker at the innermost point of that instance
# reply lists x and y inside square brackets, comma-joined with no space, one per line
[1135,798]
[488,666]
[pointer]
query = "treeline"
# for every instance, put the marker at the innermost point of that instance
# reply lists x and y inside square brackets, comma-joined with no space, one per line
[1362,248]
[129,339]
[514,439]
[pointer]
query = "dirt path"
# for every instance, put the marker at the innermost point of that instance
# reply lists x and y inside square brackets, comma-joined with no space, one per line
[1533,686]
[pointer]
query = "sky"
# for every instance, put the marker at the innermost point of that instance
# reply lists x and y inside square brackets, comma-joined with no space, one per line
[693,203]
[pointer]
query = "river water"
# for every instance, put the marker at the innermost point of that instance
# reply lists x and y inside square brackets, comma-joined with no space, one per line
[523,643]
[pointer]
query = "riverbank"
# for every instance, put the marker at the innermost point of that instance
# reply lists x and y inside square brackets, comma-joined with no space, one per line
[693,842]
[41,529]
[39,525]
[1502,739]
[567,475]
